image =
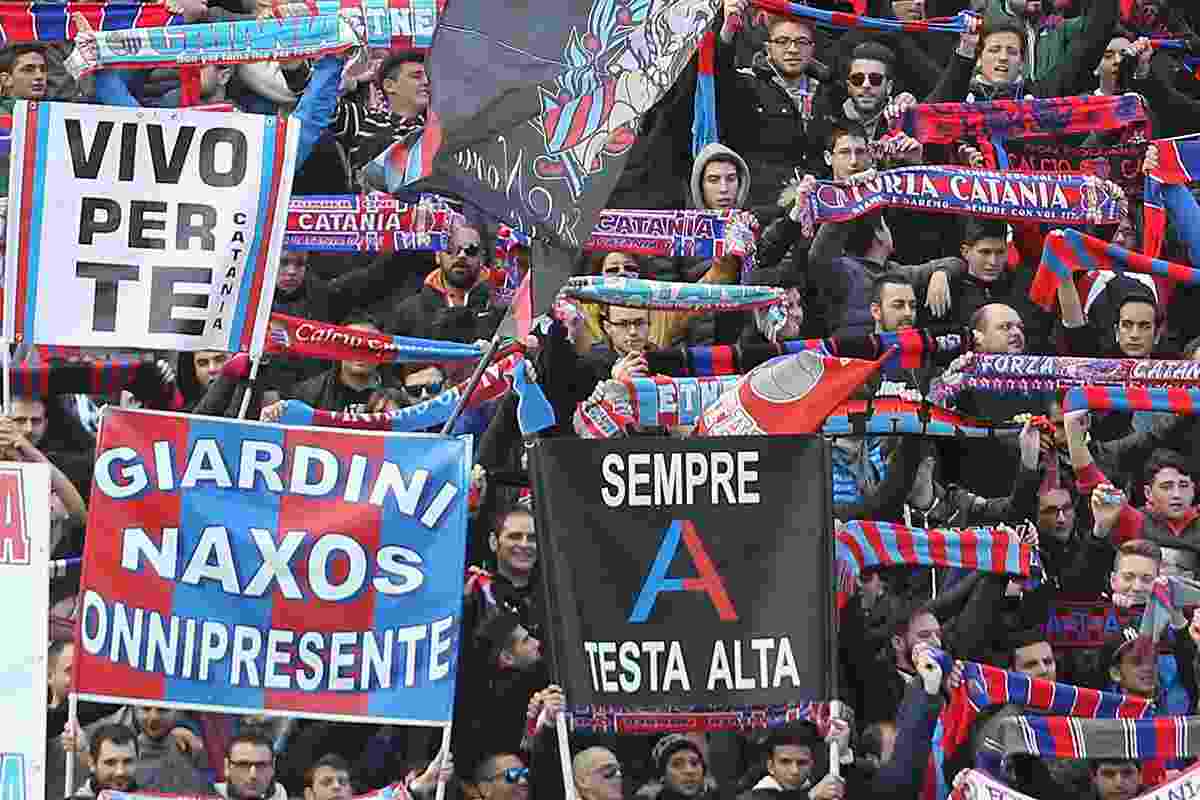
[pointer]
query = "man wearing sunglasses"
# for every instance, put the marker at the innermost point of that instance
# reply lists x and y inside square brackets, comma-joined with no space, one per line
[455,303]
[598,775]
[502,776]
[869,87]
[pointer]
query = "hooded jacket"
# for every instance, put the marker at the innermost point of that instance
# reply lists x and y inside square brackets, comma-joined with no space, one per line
[706,155]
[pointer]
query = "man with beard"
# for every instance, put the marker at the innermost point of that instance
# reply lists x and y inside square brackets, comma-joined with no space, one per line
[114,758]
[869,86]
[454,304]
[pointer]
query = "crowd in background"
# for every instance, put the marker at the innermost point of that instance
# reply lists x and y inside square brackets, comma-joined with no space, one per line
[1109,497]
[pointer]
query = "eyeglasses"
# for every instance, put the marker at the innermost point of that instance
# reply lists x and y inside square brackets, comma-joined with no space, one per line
[875,78]
[424,389]
[513,775]
[787,42]
[630,325]
[468,250]
[246,766]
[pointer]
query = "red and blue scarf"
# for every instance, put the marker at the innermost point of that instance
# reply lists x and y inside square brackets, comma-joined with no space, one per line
[1069,251]
[951,123]
[1178,163]
[51,22]
[1172,399]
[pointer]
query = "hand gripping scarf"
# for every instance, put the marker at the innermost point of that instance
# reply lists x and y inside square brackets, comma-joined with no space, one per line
[1170,595]
[1069,251]
[663,295]
[1178,163]
[310,339]
[1048,198]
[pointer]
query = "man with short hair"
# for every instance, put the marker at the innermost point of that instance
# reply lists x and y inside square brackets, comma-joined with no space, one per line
[893,302]
[22,73]
[501,776]
[250,769]
[328,779]
[348,385]
[869,85]
[765,110]
[1115,779]
[598,775]
[882,683]
[165,763]
[113,749]
[365,132]
[790,762]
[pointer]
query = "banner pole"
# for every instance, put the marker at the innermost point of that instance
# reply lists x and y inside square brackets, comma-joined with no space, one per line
[443,753]
[835,757]
[476,376]
[564,755]
[249,387]
[72,716]
[6,358]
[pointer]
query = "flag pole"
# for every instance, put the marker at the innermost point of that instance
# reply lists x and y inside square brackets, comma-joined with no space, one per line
[249,387]
[564,755]
[476,376]
[443,754]
[72,716]
[6,356]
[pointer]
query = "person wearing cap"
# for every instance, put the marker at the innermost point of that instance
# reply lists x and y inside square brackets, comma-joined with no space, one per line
[1134,670]
[682,770]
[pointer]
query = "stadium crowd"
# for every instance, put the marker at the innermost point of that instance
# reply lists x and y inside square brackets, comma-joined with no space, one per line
[1109,498]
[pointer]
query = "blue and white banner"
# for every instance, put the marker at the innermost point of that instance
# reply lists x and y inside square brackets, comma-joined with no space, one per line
[144,228]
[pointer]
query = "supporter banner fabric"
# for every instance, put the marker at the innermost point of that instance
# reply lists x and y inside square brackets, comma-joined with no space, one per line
[1086,624]
[1054,199]
[244,567]
[1120,163]
[108,248]
[25,591]
[699,553]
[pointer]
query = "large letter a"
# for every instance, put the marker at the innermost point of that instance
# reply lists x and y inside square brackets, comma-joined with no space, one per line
[708,581]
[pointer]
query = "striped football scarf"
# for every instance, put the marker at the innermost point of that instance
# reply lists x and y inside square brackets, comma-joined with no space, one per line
[1178,163]
[307,338]
[48,377]
[950,123]
[505,373]
[891,416]
[1069,251]
[963,22]
[1073,737]
[664,295]
[1173,399]
[984,686]
[51,22]
[608,719]
[360,223]
[1019,197]
[912,348]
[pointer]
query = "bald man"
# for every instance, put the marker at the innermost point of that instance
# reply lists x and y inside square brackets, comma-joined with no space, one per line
[598,775]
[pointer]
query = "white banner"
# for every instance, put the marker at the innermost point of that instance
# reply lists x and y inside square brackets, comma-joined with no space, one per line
[146,228]
[25,591]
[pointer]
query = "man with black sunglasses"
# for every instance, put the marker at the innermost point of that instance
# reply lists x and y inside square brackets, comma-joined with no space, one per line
[455,303]
[869,87]
[501,776]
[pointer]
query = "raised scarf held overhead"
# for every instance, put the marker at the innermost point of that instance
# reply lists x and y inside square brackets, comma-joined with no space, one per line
[367,223]
[865,544]
[100,377]
[51,22]
[950,123]
[1126,739]
[962,22]
[667,296]
[908,349]
[685,233]
[505,373]
[1053,199]
[1172,399]
[1024,374]
[672,719]
[1069,251]
[310,339]
[1178,163]
[890,416]
[985,686]
[616,407]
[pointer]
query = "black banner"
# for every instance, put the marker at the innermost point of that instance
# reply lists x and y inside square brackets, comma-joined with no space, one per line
[692,571]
